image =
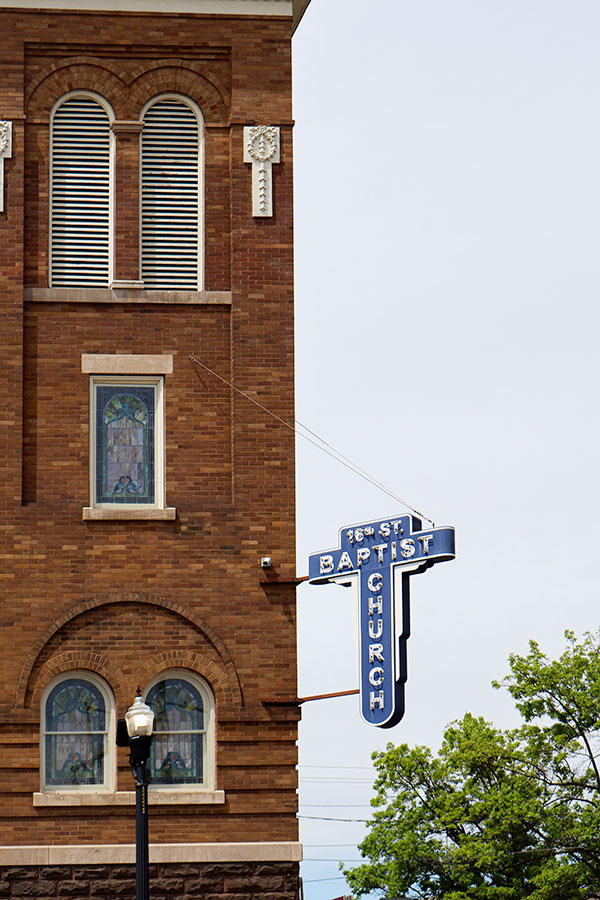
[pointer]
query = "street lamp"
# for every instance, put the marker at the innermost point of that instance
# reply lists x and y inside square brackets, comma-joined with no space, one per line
[135,732]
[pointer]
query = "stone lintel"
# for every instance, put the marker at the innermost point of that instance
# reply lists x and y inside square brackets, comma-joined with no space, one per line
[127,363]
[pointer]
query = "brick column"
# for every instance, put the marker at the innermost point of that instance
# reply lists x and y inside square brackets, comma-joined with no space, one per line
[11,283]
[126,269]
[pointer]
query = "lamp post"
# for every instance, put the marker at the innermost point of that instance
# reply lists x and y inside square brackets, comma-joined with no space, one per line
[137,735]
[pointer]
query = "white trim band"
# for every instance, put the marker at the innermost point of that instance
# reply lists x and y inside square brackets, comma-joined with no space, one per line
[124,295]
[213,7]
[114,854]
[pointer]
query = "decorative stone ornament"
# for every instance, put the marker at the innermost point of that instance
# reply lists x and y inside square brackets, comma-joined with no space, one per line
[5,153]
[261,149]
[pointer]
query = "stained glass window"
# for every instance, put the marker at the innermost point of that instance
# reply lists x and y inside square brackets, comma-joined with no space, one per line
[75,735]
[125,441]
[179,745]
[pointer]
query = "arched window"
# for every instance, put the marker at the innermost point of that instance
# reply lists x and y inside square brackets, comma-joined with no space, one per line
[80,192]
[182,750]
[171,194]
[77,716]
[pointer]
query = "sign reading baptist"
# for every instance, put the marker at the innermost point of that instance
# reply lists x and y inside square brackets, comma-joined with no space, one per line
[381,556]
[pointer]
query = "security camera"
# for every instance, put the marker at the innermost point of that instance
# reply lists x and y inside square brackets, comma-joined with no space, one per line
[266,562]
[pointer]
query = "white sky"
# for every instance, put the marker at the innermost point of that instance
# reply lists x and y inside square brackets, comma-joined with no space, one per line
[447,233]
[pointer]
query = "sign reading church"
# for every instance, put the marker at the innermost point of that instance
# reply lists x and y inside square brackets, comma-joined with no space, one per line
[380,557]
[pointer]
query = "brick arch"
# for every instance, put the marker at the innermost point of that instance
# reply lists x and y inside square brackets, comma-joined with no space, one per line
[195,663]
[81,661]
[144,599]
[165,77]
[80,73]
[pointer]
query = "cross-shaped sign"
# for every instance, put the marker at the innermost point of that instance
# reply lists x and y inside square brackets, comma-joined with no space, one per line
[381,556]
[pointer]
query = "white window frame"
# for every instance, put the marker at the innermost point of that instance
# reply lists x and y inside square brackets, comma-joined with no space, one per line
[207,695]
[201,211]
[111,179]
[156,381]
[110,761]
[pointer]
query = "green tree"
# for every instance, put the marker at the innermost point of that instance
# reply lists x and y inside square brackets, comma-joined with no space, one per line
[497,814]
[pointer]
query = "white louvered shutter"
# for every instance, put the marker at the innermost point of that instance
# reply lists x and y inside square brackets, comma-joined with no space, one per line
[80,238]
[170,197]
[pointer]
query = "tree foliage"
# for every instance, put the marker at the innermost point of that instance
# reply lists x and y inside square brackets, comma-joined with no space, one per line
[497,814]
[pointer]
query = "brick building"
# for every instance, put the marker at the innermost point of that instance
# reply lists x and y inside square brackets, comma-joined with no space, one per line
[146,148]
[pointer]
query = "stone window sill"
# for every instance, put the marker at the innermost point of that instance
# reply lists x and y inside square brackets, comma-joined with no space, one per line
[91,512]
[156,797]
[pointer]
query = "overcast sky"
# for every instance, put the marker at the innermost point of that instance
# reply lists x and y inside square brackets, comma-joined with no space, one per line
[447,235]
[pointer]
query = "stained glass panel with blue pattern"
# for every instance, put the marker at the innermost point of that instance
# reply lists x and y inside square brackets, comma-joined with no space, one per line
[124,444]
[177,755]
[75,734]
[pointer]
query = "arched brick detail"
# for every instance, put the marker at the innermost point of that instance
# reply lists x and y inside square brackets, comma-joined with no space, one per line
[184,659]
[80,661]
[163,77]
[145,599]
[79,73]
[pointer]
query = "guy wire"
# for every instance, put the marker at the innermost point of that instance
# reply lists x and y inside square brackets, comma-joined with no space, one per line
[336,454]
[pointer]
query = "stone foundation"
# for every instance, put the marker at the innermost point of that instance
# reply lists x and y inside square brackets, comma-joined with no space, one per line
[168,881]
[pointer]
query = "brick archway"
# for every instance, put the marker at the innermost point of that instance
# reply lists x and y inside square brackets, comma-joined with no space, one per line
[80,73]
[92,662]
[149,600]
[166,76]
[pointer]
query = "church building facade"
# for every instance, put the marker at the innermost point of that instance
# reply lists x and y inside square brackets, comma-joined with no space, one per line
[147,504]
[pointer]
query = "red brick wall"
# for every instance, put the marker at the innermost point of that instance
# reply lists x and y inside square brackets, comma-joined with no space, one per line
[128,599]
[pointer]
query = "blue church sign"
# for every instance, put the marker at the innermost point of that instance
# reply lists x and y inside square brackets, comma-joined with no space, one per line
[382,556]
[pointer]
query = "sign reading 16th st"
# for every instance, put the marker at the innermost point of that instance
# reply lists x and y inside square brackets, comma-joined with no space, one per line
[382,556]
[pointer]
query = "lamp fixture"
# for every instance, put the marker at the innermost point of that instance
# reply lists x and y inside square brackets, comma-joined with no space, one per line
[139,718]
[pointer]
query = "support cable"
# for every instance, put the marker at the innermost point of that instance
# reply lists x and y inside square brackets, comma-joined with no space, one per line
[322,444]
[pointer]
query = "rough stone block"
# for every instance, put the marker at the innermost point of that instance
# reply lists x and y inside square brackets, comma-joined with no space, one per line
[228,897]
[57,873]
[166,886]
[73,888]
[112,888]
[270,868]
[225,869]
[122,871]
[90,873]
[254,883]
[13,873]
[203,885]
[177,870]
[34,888]
[278,896]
